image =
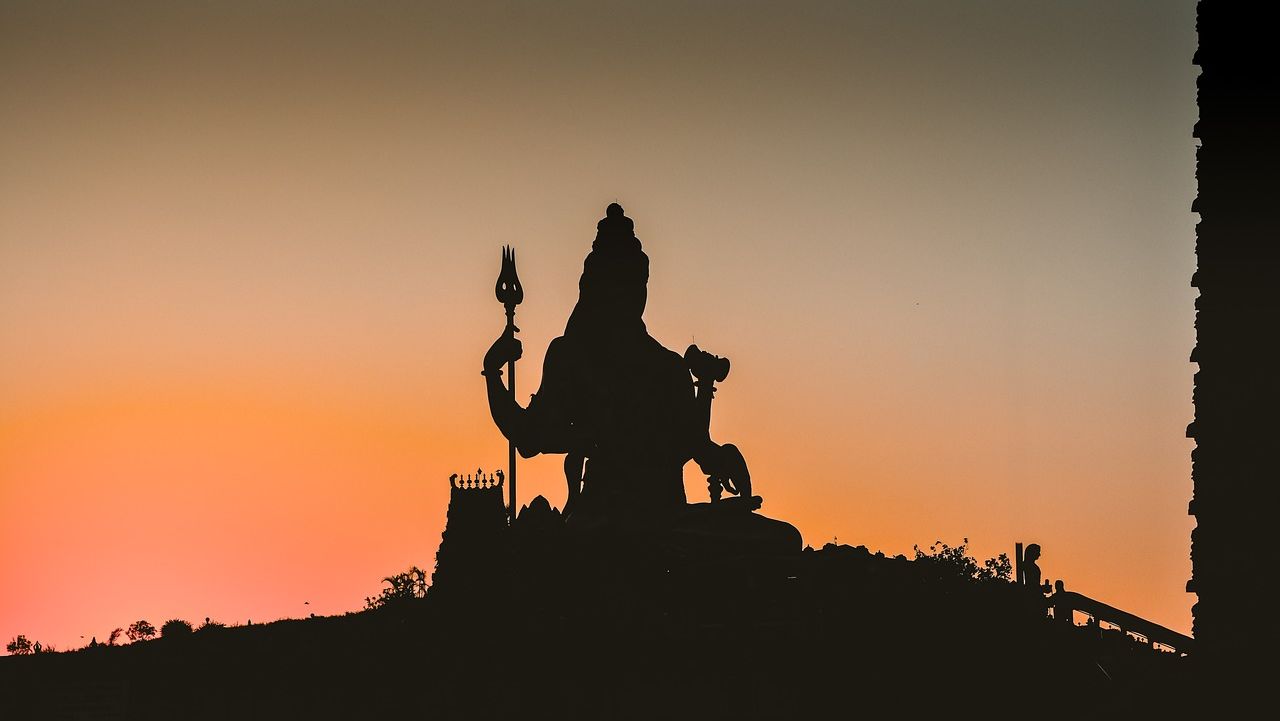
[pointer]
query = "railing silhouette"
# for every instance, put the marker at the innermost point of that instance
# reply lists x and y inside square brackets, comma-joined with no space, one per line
[1066,603]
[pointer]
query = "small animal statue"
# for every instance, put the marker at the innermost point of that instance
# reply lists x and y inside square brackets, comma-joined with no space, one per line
[708,369]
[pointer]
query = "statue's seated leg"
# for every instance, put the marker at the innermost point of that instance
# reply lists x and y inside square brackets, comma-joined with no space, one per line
[703,529]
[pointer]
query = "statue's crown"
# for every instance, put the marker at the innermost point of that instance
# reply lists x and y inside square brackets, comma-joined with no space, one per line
[615,230]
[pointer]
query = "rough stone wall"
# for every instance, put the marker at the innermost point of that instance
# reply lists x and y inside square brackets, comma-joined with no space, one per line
[1236,460]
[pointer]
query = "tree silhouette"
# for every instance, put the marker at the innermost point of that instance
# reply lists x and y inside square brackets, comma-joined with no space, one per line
[140,631]
[948,561]
[405,586]
[999,568]
[20,646]
[114,638]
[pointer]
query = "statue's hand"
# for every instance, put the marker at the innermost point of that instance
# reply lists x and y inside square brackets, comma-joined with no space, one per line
[505,349]
[725,467]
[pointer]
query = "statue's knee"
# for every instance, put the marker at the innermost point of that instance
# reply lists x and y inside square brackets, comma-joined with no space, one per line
[791,538]
[783,535]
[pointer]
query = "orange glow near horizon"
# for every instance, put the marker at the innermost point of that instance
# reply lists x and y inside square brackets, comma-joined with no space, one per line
[247,263]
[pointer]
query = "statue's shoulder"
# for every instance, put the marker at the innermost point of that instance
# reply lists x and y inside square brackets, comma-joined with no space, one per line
[566,352]
[560,349]
[673,359]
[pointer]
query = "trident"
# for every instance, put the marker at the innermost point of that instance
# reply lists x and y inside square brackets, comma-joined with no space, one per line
[510,293]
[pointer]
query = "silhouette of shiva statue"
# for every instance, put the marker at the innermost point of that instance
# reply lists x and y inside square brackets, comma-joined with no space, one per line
[615,398]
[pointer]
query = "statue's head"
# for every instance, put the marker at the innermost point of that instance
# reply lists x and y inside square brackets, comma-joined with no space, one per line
[614,284]
[1032,554]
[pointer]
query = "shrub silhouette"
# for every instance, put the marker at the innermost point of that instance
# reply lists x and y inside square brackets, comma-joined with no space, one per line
[175,627]
[140,631]
[209,625]
[20,646]
[114,638]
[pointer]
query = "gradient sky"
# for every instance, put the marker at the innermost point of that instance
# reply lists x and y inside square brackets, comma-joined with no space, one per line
[247,254]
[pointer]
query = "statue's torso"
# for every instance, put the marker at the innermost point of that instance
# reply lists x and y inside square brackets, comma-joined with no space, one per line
[631,405]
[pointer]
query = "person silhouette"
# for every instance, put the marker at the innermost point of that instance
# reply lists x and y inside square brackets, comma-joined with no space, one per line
[612,396]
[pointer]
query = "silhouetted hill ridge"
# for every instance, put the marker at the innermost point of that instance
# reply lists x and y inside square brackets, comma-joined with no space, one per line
[843,630]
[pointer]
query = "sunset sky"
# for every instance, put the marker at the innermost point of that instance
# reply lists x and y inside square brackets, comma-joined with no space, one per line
[247,255]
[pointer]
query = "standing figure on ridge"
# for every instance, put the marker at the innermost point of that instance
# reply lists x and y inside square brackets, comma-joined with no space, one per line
[615,397]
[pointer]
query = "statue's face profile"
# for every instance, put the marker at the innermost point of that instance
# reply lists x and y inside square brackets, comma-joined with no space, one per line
[615,300]
[627,300]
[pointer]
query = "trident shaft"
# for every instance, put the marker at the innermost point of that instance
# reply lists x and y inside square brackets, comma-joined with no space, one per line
[510,293]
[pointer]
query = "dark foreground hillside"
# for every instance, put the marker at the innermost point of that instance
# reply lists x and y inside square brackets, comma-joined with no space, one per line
[833,633]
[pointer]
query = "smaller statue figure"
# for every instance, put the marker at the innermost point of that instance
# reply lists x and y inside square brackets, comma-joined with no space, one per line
[1031,570]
